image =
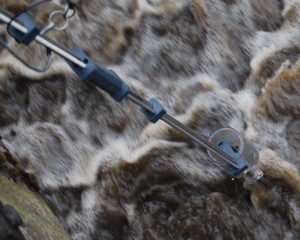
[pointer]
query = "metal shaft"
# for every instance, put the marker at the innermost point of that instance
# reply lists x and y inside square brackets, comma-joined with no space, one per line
[5,17]
[198,138]
[131,96]
[140,101]
[184,129]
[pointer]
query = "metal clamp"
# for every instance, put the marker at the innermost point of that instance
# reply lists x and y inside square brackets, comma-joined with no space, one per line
[32,30]
[158,112]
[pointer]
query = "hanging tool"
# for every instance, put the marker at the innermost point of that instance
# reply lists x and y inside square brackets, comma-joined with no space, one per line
[220,147]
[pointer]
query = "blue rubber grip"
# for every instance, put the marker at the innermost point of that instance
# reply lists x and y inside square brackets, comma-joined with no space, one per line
[158,109]
[106,79]
[239,160]
[32,30]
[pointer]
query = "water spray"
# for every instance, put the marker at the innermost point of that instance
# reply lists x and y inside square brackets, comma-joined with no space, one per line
[226,147]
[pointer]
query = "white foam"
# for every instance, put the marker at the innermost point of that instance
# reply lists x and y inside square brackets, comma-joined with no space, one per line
[131,154]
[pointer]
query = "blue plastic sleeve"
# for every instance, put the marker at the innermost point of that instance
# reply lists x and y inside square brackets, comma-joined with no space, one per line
[106,79]
[239,160]
[158,109]
[32,30]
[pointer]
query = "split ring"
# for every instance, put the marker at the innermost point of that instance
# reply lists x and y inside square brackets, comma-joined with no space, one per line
[61,26]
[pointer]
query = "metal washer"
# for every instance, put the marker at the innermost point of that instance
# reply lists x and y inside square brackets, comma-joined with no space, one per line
[247,149]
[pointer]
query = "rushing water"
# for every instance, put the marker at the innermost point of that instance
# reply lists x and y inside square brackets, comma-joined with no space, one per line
[109,174]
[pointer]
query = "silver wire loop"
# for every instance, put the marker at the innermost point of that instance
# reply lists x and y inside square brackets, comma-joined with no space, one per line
[61,26]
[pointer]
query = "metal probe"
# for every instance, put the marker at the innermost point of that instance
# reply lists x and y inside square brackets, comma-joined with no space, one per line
[61,51]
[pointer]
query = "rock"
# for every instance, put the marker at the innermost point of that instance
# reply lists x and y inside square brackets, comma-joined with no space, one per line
[10,221]
[20,203]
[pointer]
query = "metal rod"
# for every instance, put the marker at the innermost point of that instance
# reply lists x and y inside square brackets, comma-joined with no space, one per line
[198,138]
[183,129]
[44,41]
[140,101]
[6,18]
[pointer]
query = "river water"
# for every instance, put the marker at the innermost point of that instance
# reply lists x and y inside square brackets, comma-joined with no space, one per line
[109,174]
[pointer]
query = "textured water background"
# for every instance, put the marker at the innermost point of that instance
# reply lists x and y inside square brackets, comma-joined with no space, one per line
[109,174]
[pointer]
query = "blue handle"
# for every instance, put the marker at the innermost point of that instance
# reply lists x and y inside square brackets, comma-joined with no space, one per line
[106,79]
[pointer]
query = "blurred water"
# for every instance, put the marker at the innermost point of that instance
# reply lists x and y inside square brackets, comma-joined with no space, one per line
[109,174]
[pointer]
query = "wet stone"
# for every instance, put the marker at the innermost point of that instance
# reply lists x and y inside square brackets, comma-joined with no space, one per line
[10,221]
